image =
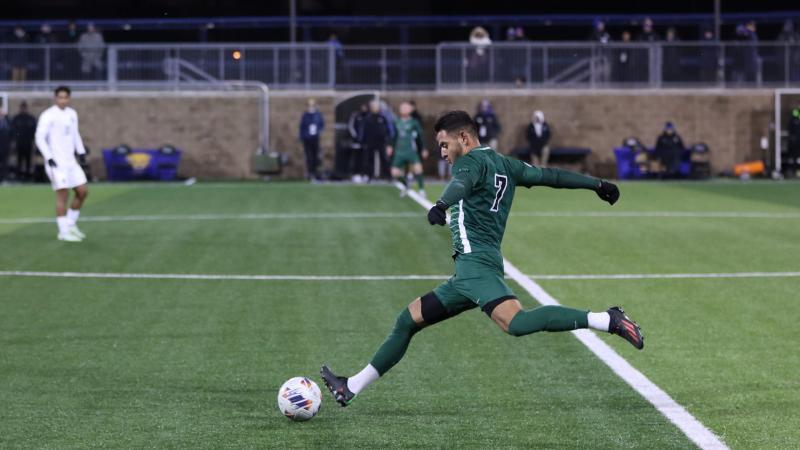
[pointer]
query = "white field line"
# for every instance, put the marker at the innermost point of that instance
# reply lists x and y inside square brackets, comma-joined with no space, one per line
[400,215]
[293,277]
[199,276]
[677,414]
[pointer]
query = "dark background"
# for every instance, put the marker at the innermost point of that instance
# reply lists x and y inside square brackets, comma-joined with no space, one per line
[60,11]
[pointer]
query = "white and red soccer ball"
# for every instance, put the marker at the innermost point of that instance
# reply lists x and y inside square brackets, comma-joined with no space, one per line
[299,399]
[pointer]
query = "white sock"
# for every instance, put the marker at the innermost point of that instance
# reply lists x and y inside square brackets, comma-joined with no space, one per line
[599,321]
[362,379]
[63,224]
[72,215]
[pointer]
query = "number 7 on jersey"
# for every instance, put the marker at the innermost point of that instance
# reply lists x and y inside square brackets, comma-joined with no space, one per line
[500,182]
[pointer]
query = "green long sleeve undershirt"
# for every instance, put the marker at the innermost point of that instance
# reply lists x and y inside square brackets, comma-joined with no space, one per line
[461,184]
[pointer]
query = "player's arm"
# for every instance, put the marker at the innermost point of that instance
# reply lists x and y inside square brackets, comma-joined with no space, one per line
[465,176]
[42,130]
[529,176]
[78,142]
[419,142]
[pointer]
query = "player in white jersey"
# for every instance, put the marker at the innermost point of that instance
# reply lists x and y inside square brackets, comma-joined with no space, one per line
[58,140]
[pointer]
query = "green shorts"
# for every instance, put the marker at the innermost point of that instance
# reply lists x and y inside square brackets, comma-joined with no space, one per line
[478,281]
[399,160]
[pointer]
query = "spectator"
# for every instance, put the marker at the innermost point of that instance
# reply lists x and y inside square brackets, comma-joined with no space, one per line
[18,56]
[334,42]
[90,46]
[752,59]
[647,34]
[623,60]
[71,36]
[488,124]
[23,128]
[515,34]
[538,135]
[311,126]
[5,144]
[792,38]
[603,61]
[709,57]
[354,125]
[599,34]
[477,61]
[375,137]
[669,150]
[671,58]
[46,35]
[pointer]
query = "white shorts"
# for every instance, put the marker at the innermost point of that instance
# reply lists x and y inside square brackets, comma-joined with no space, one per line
[65,176]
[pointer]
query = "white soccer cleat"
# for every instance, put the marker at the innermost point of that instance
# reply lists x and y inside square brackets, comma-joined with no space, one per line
[403,192]
[69,237]
[74,230]
[422,193]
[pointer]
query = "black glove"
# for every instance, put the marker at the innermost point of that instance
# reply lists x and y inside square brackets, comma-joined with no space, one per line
[82,159]
[437,215]
[608,192]
[51,163]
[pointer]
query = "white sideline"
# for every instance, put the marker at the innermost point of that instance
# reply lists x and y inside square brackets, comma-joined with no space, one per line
[292,277]
[200,276]
[398,215]
[677,414]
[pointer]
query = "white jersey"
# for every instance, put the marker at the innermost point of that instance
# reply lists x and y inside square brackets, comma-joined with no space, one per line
[57,135]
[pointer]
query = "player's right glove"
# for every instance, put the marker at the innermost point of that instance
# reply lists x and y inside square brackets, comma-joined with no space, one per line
[437,215]
[608,192]
[52,163]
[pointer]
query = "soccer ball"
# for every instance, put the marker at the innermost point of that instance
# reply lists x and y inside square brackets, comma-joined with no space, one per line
[299,399]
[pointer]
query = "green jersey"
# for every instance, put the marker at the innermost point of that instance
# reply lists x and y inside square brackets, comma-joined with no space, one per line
[482,190]
[405,142]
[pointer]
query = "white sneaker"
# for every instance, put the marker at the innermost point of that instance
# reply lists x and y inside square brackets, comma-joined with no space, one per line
[74,230]
[68,237]
[403,192]
[422,193]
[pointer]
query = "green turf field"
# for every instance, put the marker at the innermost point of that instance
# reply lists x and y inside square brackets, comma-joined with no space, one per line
[192,363]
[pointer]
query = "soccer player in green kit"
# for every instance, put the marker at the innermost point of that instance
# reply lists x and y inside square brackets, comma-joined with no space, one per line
[479,199]
[404,151]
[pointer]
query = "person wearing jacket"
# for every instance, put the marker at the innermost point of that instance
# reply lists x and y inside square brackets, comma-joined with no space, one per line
[488,124]
[311,125]
[538,135]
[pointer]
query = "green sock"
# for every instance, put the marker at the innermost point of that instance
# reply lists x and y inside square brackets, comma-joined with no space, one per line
[396,343]
[421,181]
[402,180]
[548,318]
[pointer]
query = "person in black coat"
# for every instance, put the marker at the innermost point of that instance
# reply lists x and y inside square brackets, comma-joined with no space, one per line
[23,128]
[669,149]
[311,125]
[538,135]
[488,124]
[5,144]
[374,137]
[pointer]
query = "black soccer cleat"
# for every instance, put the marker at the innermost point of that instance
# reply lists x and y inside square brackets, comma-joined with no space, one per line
[337,385]
[623,326]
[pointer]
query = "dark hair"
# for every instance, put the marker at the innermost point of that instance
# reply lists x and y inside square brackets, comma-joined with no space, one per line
[62,89]
[455,121]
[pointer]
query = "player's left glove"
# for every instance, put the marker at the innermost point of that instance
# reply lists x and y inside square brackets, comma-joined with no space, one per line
[608,192]
[82,159]
[437,215]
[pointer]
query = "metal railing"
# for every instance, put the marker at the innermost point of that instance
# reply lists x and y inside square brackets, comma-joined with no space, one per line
[445,66]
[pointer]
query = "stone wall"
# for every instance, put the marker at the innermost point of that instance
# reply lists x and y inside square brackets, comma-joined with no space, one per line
[219,132]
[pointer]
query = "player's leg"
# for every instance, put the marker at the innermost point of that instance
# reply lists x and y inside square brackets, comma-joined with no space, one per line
[441,304]
[416,168]
[74,211]
[397,175]
[62,198]
[509,315]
